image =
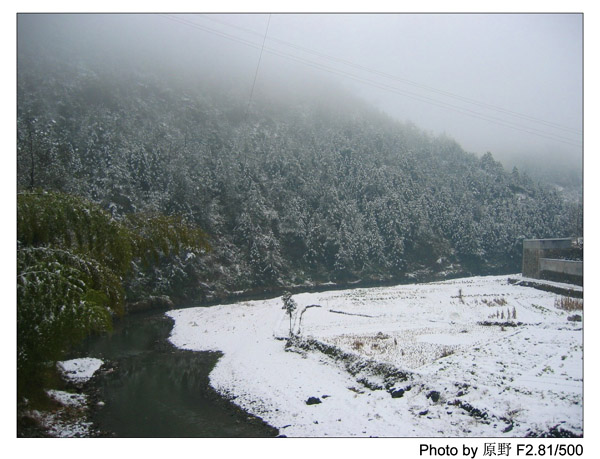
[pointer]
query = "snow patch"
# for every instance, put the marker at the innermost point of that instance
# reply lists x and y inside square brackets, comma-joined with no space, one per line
[67,398]
[79,370]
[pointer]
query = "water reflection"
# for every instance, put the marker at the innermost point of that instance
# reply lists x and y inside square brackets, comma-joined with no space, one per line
[157,390]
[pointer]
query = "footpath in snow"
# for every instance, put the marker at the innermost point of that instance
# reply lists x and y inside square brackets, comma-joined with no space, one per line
[468,357]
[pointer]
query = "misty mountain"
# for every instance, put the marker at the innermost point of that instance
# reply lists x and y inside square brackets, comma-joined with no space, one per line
[301,184]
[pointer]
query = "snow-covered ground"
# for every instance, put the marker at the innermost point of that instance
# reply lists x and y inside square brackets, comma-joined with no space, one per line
[467,357]
[68,421]
[79,370]
[69,418]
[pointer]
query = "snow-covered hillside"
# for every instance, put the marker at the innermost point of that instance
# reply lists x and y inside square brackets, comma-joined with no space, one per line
[468,357]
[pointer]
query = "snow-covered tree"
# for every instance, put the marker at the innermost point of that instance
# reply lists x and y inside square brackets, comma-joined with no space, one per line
[290,305]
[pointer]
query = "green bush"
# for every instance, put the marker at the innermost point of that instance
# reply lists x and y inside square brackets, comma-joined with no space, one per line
[66,221]
[73,259]
[61,298]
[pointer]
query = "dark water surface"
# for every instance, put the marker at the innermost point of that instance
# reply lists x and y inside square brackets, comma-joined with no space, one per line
[152,389]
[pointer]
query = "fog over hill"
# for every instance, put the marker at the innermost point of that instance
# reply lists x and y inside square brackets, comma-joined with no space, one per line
[302,162]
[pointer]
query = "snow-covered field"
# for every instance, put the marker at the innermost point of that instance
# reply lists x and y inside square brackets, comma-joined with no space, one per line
[467,357]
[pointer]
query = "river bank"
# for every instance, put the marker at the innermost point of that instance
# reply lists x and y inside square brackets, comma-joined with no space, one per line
[147,388]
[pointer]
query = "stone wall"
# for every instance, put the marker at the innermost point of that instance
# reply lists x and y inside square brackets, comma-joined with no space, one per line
[553,259]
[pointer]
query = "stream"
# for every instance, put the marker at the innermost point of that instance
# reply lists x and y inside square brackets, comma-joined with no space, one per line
[152,389]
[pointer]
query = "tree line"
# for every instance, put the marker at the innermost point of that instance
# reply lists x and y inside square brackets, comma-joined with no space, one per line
[127,171]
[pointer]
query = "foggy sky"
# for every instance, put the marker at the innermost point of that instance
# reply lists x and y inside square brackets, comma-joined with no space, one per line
[529,64]
[506,83]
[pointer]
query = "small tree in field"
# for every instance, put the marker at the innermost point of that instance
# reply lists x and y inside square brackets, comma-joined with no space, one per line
[290,306]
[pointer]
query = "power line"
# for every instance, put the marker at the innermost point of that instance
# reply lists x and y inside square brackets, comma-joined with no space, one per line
[257,67]
[448,106]
[464,111]
[404,80]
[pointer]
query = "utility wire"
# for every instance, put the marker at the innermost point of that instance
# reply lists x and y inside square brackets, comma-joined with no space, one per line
[257,67]
[404,80]
[383,86]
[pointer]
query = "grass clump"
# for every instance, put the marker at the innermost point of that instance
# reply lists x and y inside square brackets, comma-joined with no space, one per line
[568,304]
[357,344]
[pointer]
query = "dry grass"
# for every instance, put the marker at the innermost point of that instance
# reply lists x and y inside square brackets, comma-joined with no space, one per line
[568,304]
[445,352]
[357,344]
[369,345]
[500,314]
[494,302]
[371,342]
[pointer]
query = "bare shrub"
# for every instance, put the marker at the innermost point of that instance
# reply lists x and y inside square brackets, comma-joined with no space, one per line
[568,304]
[446,352]
[357,344]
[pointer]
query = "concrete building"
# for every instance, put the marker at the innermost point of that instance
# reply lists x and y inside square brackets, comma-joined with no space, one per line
[558,260]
